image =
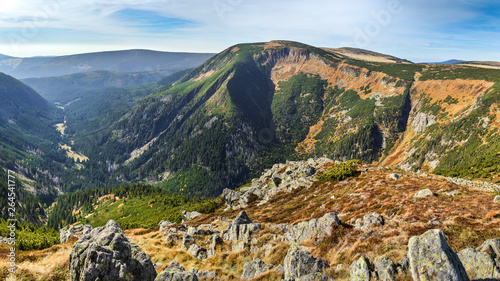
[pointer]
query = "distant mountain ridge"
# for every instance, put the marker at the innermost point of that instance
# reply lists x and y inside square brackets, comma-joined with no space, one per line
[118,61]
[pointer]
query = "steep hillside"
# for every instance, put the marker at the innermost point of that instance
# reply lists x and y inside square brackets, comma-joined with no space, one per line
[26,121]
[118,61]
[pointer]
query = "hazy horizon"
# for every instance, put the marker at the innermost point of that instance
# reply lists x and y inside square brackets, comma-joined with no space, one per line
[423,31]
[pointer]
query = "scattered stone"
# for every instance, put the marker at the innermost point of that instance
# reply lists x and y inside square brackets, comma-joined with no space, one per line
[431,258]
[360,270]
[106,254]
[385,268]
[242,218]
[175,272]
[198,252]
[73,231]
[368,220]
[478,264]
[302,265]
[496,199]
[258,267]
[451,193]
[187,216]
[165,225]
[424,193]
[395,176]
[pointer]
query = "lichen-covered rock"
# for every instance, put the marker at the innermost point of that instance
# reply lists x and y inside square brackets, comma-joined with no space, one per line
[175,272]
[73,231]
[187,216]
[303,231]
[106,254]
[385,268]
[258,267]
[206,275]
[369,219]
[198,252]
[424,193]
[479,265]
[492,247]
[431,258]
[360,270]
[301,265]
[395,176]
[403,265]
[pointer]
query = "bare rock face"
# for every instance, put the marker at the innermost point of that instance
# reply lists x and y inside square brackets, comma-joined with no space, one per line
[175,272]
[231,197]
[73,231]
[106,254]
[301,265]
[432,259]
[480,265]
[421,121]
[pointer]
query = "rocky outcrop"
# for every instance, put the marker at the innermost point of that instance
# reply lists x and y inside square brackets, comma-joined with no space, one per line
[421,121]
[73,231]
[371,219]
[258,267]
[301,265]
[106,254]
[214,242]
[187,240]
[175,272]
[360,270]
[492,247]
[187,216]
[198,252]
[280,178]
[240,230]
[478,264]
[431,258]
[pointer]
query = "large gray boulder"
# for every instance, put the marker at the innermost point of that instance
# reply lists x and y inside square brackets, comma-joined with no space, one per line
[240,230]
[175,272]
[478,264]
[431,258]
[187,216]
[301,265]
[106,254]
[360,270]
[73,231]
[385,268]
[258,267]
[231,197]
[318,228]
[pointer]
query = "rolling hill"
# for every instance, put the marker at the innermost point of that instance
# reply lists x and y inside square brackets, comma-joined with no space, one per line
[117,61]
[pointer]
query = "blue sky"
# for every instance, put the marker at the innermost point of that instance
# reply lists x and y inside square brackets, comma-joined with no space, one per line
[418,30]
